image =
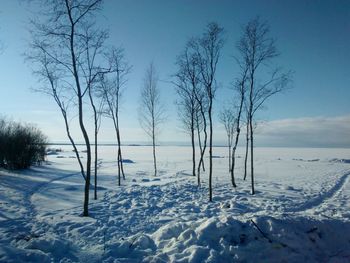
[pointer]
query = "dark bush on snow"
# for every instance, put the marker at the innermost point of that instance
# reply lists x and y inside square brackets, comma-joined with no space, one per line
[20,145]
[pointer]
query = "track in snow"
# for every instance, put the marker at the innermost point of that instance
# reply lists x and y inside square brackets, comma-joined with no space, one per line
[323,198]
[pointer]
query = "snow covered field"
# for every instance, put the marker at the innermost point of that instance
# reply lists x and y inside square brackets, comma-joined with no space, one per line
[300,213]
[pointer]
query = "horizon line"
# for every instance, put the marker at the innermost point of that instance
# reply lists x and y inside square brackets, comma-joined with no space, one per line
[183,144]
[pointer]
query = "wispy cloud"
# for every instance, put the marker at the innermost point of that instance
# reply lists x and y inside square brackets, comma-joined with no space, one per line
[305,132]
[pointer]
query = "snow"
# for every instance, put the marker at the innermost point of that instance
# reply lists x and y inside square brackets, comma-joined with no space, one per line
[300,213]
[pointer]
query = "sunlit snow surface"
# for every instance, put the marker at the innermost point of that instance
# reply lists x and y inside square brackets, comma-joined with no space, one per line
[300,213]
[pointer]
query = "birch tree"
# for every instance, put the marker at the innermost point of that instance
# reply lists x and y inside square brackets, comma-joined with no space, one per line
[93,40]
[187,108]
[60,35]
[151,112]
[208,51]
[258,50]
[111,89]
[240,92]
[187,83]
[228,120]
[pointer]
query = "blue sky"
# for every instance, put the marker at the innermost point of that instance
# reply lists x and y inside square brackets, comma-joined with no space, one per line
[313,38]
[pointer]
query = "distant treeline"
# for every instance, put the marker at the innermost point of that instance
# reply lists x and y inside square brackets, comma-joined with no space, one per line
[21,145]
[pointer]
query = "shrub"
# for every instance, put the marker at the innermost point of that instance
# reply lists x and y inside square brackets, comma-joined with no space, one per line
[21,145]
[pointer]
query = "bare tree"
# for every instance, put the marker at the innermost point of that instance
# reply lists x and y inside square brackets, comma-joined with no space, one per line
[258,49]
[151,113]
[97,109]
[94,44]
[208,51]
[201,123]
[187,83]
[61,36]
[193,68]
[111,90]
[240,88]
[228,119]
[187,111]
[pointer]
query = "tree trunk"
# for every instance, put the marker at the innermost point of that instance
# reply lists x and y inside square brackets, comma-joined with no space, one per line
[73,143]
[210,154]
[118,161]
[200,163]
[95,188]
[121,161]
[154,155]
[229,155]
[202,149]
[81,121]
[246,153]
[250,120]
[233,167]
[95,139]
[88,161]
[251,156]
[238,132]
[120,157]
[193,151]
[192,142]
[234,154]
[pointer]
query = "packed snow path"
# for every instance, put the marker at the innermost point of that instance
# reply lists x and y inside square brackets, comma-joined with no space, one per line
[329,202]
[18,214]
[336,203]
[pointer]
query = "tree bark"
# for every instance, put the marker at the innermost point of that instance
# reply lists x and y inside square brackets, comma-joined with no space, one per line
[95,172]
[234,153]
[234,149]
[154,148]
[233,168]
[73,143]
[229,154]
[95,139]
[201,162]
[119,160]
[210,153]
[202,149]
[246,152]
[193,150]
[252,76]
[252,157]
[120,157]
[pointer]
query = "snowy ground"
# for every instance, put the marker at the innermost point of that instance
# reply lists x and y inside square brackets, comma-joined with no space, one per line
[300,213]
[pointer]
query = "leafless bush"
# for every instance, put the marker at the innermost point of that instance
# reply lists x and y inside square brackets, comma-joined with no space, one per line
[21,145]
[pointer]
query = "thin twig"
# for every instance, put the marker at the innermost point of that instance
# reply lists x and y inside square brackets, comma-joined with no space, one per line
[262,233]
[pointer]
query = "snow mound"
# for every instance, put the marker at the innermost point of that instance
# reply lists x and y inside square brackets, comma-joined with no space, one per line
[33,248]
[225,239]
